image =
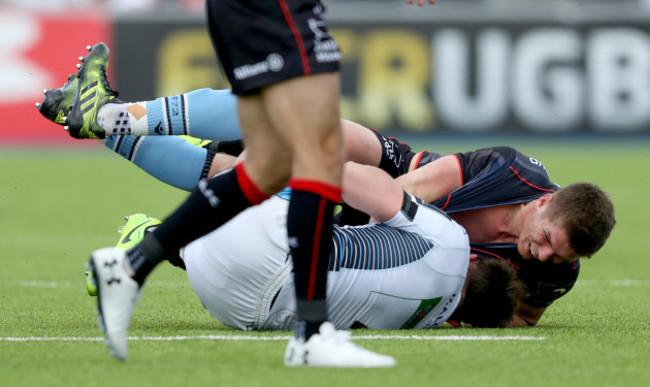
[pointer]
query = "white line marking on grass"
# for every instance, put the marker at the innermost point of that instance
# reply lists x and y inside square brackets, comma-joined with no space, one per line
[629,282]
[279,338]
[81,283]
[619,282]
[453,338]
[51,338]
[38,284]
[183,284]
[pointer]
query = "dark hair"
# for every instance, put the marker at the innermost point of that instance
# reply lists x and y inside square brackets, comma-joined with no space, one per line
[493,293]
[586,213]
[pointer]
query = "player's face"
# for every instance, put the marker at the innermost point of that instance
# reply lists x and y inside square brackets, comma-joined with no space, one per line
[544,240]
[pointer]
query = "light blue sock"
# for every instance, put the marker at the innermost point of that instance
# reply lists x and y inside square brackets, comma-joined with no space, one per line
[207,114]
[169,159]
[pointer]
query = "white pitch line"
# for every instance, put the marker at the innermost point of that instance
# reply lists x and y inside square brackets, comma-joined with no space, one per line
[453,338]
[278,338]
[81,283]
[182,284]
[619,282]
[38,284]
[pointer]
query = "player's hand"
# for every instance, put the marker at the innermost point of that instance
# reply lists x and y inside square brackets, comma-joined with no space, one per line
[421,2]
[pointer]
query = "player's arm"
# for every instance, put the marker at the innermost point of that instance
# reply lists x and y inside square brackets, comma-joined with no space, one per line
[371,190]
[527,315]
[434,180]
[439,178]
[361,144]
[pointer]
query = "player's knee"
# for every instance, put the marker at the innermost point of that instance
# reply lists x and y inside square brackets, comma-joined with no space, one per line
[270,177]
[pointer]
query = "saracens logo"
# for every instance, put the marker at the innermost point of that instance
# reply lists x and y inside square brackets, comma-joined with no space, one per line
[274,62]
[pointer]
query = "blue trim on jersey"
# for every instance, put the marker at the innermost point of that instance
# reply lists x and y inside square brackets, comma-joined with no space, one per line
[285,193]
[375,247]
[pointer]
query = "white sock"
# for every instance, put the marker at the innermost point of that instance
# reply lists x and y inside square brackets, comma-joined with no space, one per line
[123,118]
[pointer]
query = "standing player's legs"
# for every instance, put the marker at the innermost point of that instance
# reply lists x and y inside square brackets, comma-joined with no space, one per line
[268,157]
[292,64]
[305,112]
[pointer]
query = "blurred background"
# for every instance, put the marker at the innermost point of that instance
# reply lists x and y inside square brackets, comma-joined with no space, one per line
[484,67]
[566,82]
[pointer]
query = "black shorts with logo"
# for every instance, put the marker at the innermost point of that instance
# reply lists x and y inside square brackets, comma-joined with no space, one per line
[262,42]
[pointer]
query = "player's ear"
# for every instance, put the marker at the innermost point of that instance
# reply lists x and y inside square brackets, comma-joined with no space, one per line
[545,200]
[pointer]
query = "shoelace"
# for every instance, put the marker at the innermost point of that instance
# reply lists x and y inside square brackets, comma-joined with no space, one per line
[105,84]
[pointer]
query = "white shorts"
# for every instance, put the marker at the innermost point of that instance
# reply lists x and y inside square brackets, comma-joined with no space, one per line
[239,268]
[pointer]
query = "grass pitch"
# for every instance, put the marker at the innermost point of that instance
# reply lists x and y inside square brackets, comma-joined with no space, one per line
[58,206]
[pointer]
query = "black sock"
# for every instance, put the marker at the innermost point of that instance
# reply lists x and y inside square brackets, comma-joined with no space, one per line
[212,203]
[306,329]
[309,225]
[232,147]
[141,257]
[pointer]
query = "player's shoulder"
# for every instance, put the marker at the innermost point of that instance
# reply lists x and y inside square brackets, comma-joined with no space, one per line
[494,156]
[504,153]
[512,160]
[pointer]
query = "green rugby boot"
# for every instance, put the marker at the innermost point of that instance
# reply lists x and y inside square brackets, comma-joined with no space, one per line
[58,102]
[132,233]
[91,284]
[134,230]
[196,141]
[93,92]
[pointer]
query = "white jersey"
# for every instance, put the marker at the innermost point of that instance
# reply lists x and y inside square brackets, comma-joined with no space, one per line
[401,274]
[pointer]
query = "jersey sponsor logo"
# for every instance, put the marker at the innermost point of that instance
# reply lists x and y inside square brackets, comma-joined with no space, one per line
[536,162]
[274,62]
[442,315]
[421,312]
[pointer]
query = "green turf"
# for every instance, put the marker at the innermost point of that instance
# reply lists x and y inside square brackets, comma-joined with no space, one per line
[57,206]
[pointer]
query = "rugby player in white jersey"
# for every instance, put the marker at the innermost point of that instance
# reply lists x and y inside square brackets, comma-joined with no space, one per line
[410,270]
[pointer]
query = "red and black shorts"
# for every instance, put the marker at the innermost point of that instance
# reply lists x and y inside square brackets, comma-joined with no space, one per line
[262,42]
